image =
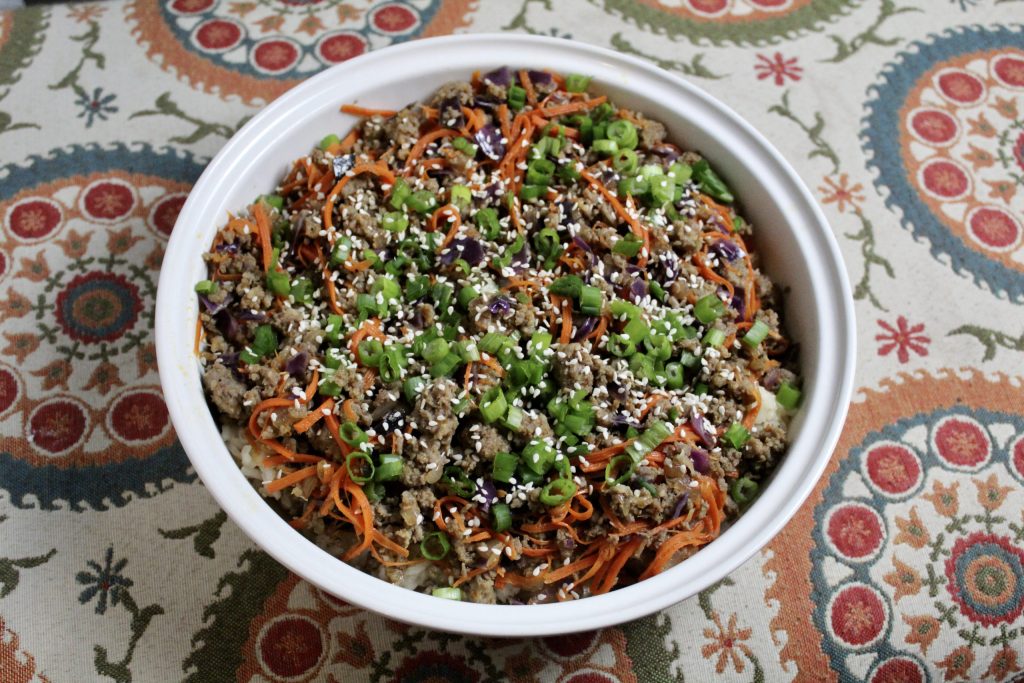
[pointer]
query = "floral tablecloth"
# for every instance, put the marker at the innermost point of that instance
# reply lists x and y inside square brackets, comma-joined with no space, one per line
[904,117]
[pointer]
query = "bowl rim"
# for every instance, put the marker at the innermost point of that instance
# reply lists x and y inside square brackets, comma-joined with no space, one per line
[733,548]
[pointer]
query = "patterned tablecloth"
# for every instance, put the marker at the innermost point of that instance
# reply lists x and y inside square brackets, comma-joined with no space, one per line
[904,117]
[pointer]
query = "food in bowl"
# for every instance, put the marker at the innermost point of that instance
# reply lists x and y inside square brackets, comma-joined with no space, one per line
[509,345]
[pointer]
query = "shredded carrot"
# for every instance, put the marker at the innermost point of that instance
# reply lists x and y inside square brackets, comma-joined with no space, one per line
[711,275]
[332,293]
[421,145]
[473,573]
[370,328]
[503,120]
[531,94]
[566,335]
[445,502]
[453,218]
[634,224]
[570,108]
[356,110]
[335,431]
[611,576]
[275,460]
[291,479]
[492,364]
[751,416]
[313,417]
[377,168]
[570,569]
[602,327]
[348,411]
[362,504]
[199,336]
[671,547]
[263,233]
[651,402]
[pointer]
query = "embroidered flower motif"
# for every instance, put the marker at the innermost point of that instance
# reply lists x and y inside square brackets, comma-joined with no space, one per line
[904,579]
[104,582]
[944,498]
[96,106]
[86,13]
[778,67]
[903,338]
[726,642]
[957,663]
[842,193]
[912,530]
[990,494]
[924,629]
[1003,664]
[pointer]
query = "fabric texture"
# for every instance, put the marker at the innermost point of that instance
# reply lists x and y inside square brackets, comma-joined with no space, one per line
[904,117]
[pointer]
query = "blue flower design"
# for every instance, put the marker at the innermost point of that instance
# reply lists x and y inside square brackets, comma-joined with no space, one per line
[98,105]
[104,581]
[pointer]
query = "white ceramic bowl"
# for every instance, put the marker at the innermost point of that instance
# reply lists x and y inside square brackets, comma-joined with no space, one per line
[791,232]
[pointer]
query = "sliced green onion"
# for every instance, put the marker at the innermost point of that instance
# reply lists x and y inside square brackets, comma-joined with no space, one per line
[710,183]
[458,482]
[530,192]
[333,357]
[714,337]
[708,309]
[539,456]
[788,396]
[329,140]
[278,282]
[374,491]
[636,330]
[395,221]
[618,470]
[662,189]
[648,440]
[605,147]
[392,363]
[448,593]
[558,492]
[539,343]
[501,517]
[657,291]
[435,546]
[412,387]
[548,245]
[680,172]
[264,341]
[274,200]
[390,468]
[513,418]
[352,434]
[328,388]
[461,196]
[567,173]
[422,201]
[205,287]
[435,350]
[371,351]
[466,295]
[445,366]
[516,97]
[618,345]
[736,435]
[487,220]
[623,134]
[591,300]
[400,192]
[628,246]
[576,83]
[567,285]
[361,461]
[493,405]
[743,490]
[659,346]
[464,146]
[756,334]
[504,467]
[332,331]
[340,252]
[625,161]
[539,171]
[674,375]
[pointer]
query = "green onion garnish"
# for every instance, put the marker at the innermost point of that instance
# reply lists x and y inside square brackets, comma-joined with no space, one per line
[756,334]
[464,146]
[448,593]
[710,183]
[501,517]
[361,462]
[504,466]
[205,287]
[591,300]
[708,309]
[577,83]
[743,490]
[435,546]
[422,201]
[329,140]
[557,492]
[395,221]
[736,435]
[788,396]
[352,434]
[714,337]
[539,456]
[516,97]
[623,134]
[493,405]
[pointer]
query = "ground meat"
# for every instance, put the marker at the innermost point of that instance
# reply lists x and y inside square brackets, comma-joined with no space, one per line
[573,366]
[652,133]
[225,390]
[460,91]
[485,440]
[403,130]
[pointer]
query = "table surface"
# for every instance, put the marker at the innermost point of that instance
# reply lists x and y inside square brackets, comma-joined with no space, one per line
[904,117]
